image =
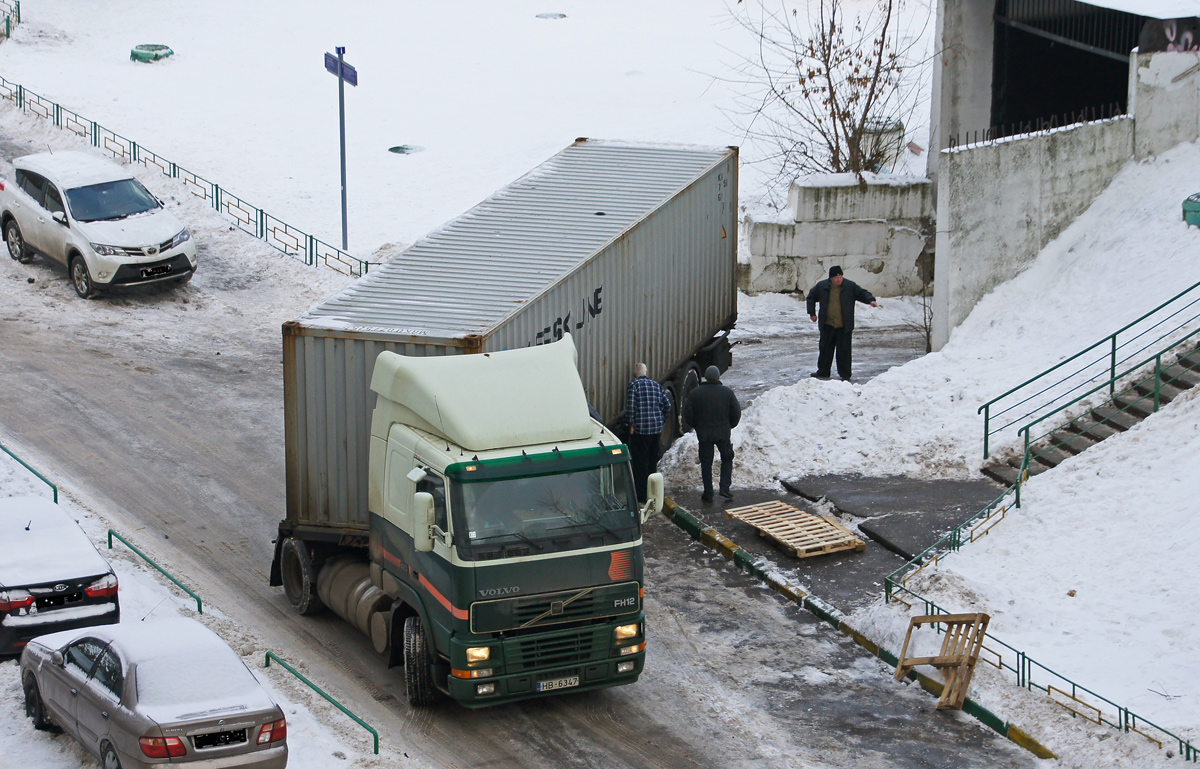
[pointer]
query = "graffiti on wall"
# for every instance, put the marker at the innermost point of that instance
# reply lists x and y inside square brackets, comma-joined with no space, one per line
[1170,35]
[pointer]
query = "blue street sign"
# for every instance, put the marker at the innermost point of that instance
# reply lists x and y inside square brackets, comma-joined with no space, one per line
[349,73]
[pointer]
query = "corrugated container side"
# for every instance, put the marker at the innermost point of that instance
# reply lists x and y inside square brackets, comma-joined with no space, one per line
[327,405]
[652,295]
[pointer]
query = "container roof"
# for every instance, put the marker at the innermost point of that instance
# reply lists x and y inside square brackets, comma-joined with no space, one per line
[468,275]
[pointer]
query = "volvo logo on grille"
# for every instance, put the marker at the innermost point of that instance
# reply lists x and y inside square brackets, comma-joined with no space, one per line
[492,592]
[556,607]
[59,587]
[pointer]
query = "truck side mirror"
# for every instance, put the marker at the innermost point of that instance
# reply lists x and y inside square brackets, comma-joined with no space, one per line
[654,496]
[422,521]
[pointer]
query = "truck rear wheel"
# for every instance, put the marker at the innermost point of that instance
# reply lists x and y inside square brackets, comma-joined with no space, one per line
[299,577]
[418,664]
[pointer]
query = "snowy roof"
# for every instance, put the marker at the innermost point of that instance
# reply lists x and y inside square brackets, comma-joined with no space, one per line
[1158,9]
[474,271]
[517,397]
[73,169]
[44,544]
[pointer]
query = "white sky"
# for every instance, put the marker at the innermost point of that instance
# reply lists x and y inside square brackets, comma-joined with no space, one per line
[490,91]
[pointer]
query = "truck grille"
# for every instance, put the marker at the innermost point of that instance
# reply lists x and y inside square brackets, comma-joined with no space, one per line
[560,649]
[533,611]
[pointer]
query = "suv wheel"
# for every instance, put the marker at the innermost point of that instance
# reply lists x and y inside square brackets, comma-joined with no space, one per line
[16,243]
[81,279]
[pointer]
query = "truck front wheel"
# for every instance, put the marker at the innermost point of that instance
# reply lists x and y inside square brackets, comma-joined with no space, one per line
[418,664]
[299,577]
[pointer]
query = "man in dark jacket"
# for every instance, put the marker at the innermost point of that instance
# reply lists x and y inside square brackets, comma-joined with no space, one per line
[714,411]
[837,297]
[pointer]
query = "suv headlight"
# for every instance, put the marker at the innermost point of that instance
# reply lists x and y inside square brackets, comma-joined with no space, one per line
[107,250]
[182,236]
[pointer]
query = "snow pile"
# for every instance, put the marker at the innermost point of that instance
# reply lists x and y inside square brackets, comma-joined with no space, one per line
[1127,253]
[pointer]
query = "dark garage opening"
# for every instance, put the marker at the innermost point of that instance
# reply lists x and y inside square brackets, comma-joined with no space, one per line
[1058,62]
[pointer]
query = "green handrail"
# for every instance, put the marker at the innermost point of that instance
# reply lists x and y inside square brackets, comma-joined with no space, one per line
[1112,341]
[164,572]
[40,477]
[1155,395]
[272,656]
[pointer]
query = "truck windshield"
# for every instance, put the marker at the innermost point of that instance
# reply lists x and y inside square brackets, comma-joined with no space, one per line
[546,513]
[110,200]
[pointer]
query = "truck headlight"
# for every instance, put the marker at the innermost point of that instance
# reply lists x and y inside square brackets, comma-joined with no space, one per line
[477,654]
[104,250]
[637,648]
[623,632]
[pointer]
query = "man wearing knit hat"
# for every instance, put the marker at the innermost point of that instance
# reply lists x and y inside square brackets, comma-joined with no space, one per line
[836,296]
[714,411]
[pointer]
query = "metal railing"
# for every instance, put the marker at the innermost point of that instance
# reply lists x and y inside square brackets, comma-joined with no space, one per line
[1028,672]
[249,218]
[272,656]
[12,17]
[164,572]
[27,466]
[1091,114]
[1067,694]
[1091,369]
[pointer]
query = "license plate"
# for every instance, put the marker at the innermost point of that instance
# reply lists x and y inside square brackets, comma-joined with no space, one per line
[161,269]
[558,683]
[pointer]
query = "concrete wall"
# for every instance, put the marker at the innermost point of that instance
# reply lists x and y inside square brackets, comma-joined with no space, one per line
[1165,97]
[962,72]
[1000,203]
[878,237]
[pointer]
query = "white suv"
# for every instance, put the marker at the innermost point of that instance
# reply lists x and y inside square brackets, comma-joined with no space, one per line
[93,217]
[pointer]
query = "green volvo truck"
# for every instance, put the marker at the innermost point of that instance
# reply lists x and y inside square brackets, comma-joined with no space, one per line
[504,549]
[449,491]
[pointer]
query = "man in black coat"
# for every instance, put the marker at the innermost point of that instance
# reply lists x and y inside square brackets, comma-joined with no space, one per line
[837,297]
[713,410]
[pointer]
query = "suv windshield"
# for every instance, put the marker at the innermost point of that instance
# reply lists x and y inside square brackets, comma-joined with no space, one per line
[545,513]
[110,200]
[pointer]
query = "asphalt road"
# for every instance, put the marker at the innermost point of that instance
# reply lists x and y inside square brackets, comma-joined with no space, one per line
[181,442]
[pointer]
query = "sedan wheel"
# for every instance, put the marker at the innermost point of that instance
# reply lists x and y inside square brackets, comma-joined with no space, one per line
[35,708]
[110,757]
[81,279]
[16,243]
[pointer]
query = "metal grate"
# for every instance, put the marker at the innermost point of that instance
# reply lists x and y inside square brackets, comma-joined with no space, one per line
[1098,30]
[554,650]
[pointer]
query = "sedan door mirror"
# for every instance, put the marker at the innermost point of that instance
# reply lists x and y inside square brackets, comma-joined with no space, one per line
[56,658]
[423,521]
[60,217]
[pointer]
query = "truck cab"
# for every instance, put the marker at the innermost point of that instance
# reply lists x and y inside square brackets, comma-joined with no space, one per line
[504,531]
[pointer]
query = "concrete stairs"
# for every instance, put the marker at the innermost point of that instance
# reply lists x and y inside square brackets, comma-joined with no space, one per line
[1115,416]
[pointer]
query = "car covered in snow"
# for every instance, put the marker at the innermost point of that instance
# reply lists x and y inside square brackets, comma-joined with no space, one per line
[153,693]
[51,575]
[94,218]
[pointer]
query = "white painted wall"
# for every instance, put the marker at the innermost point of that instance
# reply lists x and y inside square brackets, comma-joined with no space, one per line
[1165,97]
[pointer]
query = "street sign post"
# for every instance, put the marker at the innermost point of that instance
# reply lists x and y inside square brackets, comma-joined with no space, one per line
[345,74]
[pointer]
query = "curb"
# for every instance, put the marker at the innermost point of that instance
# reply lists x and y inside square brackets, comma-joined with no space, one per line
[717,541]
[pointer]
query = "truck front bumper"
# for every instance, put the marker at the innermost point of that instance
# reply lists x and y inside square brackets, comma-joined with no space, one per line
[519,686]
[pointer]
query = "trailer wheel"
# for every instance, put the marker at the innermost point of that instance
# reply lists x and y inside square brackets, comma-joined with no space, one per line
[418,664]
[299,578]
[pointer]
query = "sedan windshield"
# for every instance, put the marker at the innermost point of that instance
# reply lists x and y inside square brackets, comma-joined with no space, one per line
[547,513]
[110,200]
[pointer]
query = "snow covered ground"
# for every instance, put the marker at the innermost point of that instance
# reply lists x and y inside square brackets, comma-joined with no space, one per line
[490,90]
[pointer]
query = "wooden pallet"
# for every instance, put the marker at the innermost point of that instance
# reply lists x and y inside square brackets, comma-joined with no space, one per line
[799,533]
[960,650]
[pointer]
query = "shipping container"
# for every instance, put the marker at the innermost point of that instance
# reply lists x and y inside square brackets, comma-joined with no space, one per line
[631,248]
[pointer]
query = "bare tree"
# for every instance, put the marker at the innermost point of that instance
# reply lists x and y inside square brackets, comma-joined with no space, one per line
[825,96]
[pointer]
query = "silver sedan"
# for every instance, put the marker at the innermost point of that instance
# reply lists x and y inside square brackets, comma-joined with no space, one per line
[147,694]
